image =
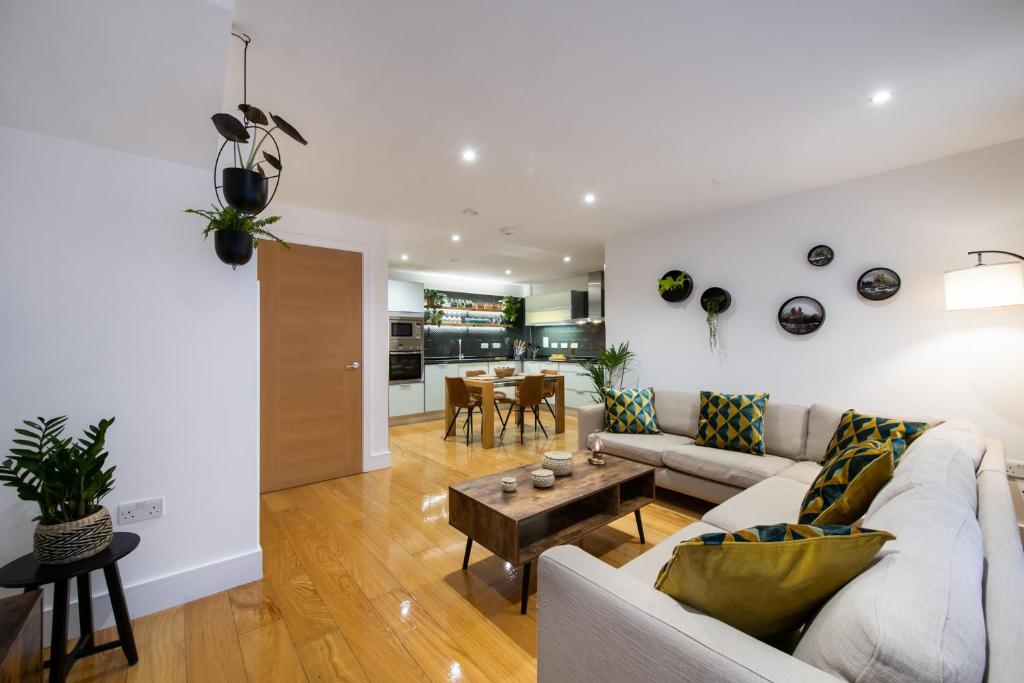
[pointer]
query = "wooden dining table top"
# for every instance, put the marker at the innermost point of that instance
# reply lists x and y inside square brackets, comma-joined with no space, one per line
[511,379]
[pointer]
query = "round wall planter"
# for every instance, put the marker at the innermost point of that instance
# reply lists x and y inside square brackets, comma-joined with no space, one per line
[679,293]
[712,293]
[878,284]
[820,256]
[801,315]
[73,541]
[245,190]
[233,247]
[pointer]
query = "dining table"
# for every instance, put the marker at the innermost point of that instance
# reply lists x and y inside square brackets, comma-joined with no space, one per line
[486,384]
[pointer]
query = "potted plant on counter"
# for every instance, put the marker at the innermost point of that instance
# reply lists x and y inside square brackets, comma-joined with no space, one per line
[235,233]
[67,479]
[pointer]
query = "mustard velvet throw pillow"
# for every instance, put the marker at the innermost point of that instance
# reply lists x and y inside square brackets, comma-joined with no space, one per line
[856,427]
[734,422]
[846,485]
[767,581]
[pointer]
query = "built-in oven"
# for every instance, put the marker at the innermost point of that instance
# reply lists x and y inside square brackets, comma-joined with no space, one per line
[405,367]
[406,333]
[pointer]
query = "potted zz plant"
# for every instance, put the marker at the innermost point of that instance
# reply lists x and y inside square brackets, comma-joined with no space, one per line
[67,479]
[246,184]
[235,233]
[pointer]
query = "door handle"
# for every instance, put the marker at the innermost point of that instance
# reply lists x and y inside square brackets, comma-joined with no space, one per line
[353,365]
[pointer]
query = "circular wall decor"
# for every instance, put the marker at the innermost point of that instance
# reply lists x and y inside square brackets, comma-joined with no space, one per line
[670,290]
[801,315]
[878,284]
[820,255]
[718,294]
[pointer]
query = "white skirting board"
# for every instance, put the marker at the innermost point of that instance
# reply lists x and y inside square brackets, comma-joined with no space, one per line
[160,593]
[377,461]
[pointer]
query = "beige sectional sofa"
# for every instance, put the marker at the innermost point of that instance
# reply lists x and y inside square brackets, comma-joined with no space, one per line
[943,602]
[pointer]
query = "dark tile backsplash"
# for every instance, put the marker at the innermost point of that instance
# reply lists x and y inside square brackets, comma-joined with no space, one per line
[444,341]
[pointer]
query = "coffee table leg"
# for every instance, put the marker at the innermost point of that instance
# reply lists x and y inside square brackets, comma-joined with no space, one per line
[526,588]
[59,633]
[465,558]
[640,526]
[121,617]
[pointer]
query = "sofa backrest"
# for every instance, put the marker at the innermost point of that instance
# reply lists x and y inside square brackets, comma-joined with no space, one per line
[677,411]
[823,420]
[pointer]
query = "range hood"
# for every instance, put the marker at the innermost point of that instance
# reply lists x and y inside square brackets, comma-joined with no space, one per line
[568,306]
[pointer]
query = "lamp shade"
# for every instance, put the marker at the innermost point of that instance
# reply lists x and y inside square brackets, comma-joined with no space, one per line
[985,286]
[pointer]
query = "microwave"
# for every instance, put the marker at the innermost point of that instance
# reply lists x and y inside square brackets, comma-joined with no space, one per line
[406,333]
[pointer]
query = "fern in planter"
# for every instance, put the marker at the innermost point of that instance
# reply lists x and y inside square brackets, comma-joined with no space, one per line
[230,218]
[669,283]
[66,478]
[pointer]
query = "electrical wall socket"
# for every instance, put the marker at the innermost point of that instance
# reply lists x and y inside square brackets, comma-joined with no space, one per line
[140,510]
[1015,468]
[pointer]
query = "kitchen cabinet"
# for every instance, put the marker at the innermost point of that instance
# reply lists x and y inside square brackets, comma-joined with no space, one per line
[405,399]
[531,367]
[471,365]
[405,297]
[433,385]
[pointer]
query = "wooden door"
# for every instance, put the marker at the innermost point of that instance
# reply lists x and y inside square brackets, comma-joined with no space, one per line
[310,364]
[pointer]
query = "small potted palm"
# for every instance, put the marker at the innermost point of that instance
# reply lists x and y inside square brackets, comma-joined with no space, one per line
[235,233]
[67,479]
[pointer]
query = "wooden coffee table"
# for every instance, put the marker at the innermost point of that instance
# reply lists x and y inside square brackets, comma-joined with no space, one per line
[519,526]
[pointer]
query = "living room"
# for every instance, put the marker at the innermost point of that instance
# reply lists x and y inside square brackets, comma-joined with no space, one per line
[691,282]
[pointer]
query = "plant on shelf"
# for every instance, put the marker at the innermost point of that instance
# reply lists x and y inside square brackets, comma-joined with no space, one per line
[606,364]
[433,316]
[510,306]
[235,233]
[66,479]
[672,284]
[434,299]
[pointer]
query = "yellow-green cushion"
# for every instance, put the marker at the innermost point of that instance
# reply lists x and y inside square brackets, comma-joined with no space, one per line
[734,422]
[855,428]
[767,580]
[846,485]
[630,411]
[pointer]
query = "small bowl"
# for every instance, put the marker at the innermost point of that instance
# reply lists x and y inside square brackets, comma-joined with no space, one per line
[504,372]
[543,479]
[559,462]
[508,484]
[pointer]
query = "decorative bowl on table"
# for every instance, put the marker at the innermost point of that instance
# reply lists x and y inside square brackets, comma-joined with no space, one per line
[508,484]
[559,462]
[543,479]
[504,372]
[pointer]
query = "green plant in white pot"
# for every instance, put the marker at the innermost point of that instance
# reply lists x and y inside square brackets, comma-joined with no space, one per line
[67,479]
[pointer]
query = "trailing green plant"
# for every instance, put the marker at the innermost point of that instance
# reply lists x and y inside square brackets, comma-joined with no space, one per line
[434,299]
[230,218]
[606,364]
[510,306]
[235,132]
[433,316]
[712,320]
[669,283]
[63,476]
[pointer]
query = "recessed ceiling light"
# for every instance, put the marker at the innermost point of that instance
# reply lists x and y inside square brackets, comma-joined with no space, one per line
[589,198]
[566,259]
[455,237]
[881,97]
[469,155]
[508,272]
[404,257]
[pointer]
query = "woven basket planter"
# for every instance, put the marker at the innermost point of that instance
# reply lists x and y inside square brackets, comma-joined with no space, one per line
[73,541]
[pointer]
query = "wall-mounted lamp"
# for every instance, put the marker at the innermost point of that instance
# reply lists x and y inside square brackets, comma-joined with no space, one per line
[986,285]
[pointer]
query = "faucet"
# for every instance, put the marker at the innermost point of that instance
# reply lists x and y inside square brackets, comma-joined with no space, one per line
[460,348]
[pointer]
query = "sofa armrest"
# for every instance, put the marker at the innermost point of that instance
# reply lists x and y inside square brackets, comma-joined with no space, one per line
[596,623]
[590,418]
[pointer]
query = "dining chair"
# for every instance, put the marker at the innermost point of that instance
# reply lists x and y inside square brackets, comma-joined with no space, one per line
[460,398]
[530,395]
[478,393]
[549,390]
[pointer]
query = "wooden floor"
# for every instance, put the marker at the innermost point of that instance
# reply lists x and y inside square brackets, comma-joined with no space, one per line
[363,582]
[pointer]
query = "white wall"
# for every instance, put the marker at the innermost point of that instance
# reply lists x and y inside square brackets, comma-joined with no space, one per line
[905,354]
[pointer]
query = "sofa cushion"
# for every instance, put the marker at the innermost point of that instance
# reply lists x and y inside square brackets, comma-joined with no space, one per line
[767,580]
[803,472]
[645,448]
[630,411]
[785,429]
[771,501]
[945,456]
[846,485]
[856,427]
[732,421]
[822,421]
[678,411]
[730,467]
[647,565]
[916,613]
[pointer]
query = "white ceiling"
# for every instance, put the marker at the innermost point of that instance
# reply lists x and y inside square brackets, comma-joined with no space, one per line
[666,110]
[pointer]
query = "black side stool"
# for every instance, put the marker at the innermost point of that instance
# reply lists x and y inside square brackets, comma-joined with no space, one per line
[26,572]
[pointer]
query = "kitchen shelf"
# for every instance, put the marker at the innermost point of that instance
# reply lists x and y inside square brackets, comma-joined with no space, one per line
[447,323]
[470,310]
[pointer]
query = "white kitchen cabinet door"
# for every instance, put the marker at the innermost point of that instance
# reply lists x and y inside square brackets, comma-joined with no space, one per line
[405,399]
[405,297]
[433,385]
[532,367]
[474,365]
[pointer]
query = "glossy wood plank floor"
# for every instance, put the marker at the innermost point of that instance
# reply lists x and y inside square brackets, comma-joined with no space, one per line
[363,582]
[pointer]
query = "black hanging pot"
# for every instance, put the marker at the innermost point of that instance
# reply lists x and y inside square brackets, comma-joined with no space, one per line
[233,247]
[245,190]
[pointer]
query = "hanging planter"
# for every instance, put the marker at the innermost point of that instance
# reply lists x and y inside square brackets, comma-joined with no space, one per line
[235,233]
[233,247]
[675,285]
[245,190]
[714,301]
